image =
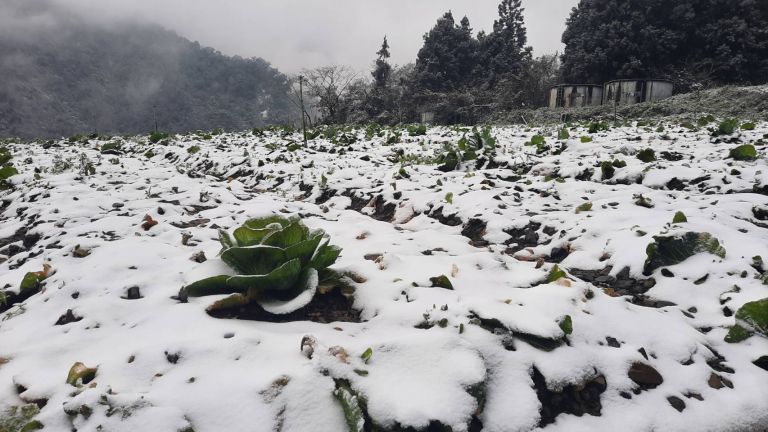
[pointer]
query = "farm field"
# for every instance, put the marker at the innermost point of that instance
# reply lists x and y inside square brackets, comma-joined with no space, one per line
[573,277]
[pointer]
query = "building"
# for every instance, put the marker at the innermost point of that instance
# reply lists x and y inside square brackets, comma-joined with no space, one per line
[633,91]
[427,117]
[575,95]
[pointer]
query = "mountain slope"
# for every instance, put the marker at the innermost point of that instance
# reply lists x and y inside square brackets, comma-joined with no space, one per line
[64,74]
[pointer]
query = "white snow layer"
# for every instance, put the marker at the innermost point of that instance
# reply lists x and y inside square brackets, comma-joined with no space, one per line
[168,366]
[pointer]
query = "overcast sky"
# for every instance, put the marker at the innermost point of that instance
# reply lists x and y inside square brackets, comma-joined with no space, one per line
[296,34]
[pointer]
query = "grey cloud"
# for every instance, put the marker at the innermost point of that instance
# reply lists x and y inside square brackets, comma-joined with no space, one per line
[294,34]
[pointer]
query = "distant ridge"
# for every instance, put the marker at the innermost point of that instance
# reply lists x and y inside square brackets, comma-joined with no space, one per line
[63,74]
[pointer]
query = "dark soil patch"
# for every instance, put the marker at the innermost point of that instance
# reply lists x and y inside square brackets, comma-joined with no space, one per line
[8,243]
[359,201]
[585,175]
[306,190]
[325,195]
[192,223]
[508,336]
[449,220]
[474,229]
[672,156]
[521,238]
[576,399]
[676,184]
[11,298]
[760,213]
[622,284]
[383,211]
[324,309]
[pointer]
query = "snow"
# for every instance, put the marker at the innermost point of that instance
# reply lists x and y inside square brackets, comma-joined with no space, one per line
[246,375]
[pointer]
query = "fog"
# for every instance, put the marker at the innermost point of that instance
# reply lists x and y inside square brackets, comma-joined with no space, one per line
[70,66]
[296,34]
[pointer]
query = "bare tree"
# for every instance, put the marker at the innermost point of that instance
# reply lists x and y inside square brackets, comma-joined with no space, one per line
[328,86]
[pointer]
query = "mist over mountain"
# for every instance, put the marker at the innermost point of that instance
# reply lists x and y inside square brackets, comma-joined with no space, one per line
[64,74]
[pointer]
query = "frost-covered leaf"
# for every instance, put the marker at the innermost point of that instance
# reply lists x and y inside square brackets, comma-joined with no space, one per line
[264,222]
[280,279]
[304,250]
[646,155]
[7,172]
[670,250]
[679,218]
[245,236]
[301,296]
[209,286]
[254,260]
[350,403]
[80,374]
[754,316]
[744,152]
[584,207]
[17,419]
[31,280]
[366,355]
[325,257]
[737,334]
[291,234]
[226,240]
[441,281]
[555,274]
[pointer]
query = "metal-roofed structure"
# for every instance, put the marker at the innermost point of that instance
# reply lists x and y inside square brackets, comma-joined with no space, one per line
[633,91]
[575,95]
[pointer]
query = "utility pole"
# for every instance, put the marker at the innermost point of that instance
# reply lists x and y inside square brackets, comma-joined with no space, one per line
[154,116]
[303,120]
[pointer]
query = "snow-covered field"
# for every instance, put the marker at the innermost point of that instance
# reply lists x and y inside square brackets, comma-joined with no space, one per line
[494,353]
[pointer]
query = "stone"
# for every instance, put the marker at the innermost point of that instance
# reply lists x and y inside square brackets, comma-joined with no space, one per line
[373,256]
[172,358]
[676,403]
[67,318]
[199,257]
[645,376]
[762,363]
[715,381]
[133,293]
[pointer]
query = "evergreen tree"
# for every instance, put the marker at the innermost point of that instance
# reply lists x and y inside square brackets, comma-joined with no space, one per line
[381,100]
[382,70]
[504,53]
[718,41]
[446,61]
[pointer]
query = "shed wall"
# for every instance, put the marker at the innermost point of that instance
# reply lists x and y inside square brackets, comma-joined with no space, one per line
[575,96]
[636,91]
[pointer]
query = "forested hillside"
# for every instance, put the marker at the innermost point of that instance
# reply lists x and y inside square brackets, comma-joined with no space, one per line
[64,75]
[691,42]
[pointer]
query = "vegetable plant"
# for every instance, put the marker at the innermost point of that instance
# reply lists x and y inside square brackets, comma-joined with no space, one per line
[480,146]
[279,264]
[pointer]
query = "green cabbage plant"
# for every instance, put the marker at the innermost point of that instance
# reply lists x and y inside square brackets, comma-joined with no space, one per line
[279,264]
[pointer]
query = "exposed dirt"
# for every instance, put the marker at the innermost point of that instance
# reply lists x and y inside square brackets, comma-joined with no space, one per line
[324,309]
